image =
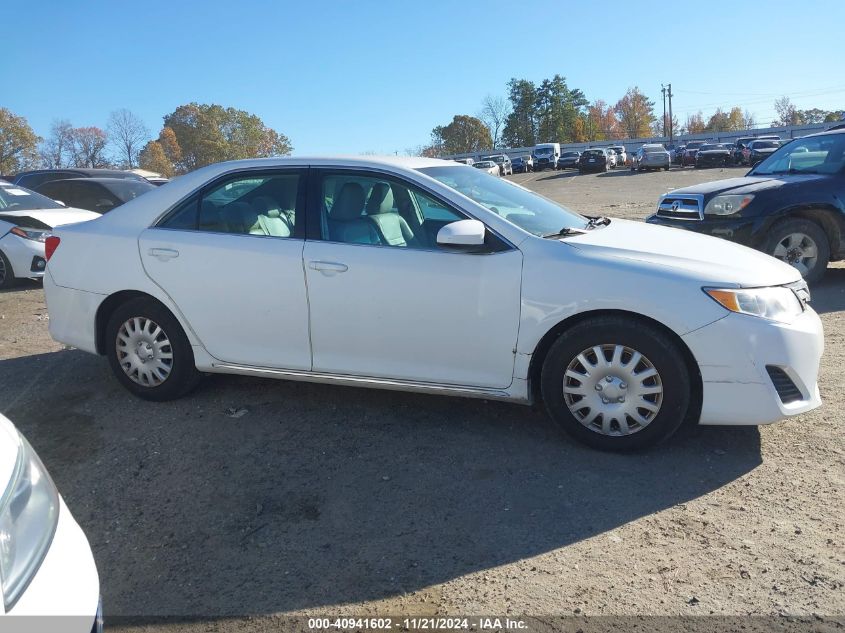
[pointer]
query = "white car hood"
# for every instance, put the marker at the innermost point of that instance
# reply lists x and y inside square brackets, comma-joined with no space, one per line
[53,217]
[9,446]
[708,259]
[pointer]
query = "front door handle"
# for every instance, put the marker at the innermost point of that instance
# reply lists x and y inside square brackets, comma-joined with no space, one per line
[163,254]
[328,268]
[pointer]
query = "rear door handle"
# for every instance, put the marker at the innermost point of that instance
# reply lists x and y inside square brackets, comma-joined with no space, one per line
[163,254]
[328,268]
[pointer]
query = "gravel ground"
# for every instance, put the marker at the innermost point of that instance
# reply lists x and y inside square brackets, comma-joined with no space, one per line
[340,501]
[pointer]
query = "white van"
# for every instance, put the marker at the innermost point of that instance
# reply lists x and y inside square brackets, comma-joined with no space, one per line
[546,155]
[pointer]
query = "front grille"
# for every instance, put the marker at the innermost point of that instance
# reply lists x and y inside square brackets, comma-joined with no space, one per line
[787,391]
[681,206]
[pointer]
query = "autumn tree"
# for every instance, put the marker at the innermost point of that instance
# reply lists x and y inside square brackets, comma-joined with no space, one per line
[152,158]
[88,147]
[494,112]
[57,149]
[787,113]
[209,134]
[18,143]
[636,113]
[463,135]
[128,134]
[521,124]
[694,124]
[602,123]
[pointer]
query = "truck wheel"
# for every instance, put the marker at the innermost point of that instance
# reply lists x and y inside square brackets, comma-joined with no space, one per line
[616,383]
[802,244]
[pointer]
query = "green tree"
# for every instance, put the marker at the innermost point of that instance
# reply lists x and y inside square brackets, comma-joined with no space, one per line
[694,124]
[557,109]
[636,113]
[463,135]
[18,143]
[521,124]
[209,134]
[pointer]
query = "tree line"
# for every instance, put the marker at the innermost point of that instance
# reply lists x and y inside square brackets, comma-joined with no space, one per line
[193,135]
[552,111]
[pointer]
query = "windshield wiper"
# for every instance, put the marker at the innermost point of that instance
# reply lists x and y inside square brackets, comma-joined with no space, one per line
[567,230]
[597,220]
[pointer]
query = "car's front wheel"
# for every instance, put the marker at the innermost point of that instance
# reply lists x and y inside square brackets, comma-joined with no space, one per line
[149,352]
[616,383]
[802,244]
[7,275]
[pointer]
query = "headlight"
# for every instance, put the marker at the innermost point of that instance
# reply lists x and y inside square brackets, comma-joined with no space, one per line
[29,513]
[728,204]
[777,304]
[30,234]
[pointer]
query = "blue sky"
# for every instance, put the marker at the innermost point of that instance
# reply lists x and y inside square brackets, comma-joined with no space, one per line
[350,77]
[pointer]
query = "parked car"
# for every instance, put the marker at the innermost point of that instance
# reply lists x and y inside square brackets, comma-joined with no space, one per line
[26,219]
[593,159]
[759,150]
[489,166]
[568,160]
[621,154]
[32,179]
[504,163]
[736,149]
[713,155]
[522,164]
[690,151]
[464,161]
[612,158]
[616,367]
[95,194]
[546,155]
[651,156]
[46,564]
[789,205]
[678,156]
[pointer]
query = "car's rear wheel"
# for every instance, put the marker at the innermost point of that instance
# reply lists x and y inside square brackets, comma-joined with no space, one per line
[149,352]
[802,244]
[616,383]
[7,275]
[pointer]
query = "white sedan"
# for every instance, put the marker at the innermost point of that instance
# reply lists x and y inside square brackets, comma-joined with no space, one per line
[26,219]
[488,166]
[424,275]
[46,565]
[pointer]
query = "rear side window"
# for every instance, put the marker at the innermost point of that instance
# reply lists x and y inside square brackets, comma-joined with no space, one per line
[247,204]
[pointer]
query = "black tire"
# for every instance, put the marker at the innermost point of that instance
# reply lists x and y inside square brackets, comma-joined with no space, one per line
[7,275]
[780,232]
[653,344]
[665,169]
[183,375]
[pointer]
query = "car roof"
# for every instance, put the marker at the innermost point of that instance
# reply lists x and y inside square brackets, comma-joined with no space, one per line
[87,171]
[101,181]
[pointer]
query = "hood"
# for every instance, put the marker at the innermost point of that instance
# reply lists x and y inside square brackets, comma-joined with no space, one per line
[9,446]
[705,259]
[746,184]
[49,217]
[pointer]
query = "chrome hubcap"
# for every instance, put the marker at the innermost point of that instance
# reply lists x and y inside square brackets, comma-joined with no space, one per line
[612,389]
[144,351]
[798,250]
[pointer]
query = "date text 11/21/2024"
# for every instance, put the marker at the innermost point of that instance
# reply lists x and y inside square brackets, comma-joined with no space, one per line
[418,624]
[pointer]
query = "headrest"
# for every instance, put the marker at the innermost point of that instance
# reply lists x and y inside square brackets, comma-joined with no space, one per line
[274,213]
[349,202]
[381,199]
[265,205]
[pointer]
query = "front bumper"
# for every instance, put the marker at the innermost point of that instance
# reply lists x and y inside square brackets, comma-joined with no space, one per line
[741,230]
[66,586]
[734,354]
[23,255]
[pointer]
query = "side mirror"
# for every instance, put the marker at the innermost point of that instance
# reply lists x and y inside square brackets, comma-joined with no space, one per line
[462,233]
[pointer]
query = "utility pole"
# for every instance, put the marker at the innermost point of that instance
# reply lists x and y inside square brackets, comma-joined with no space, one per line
[663,90]
[671,121]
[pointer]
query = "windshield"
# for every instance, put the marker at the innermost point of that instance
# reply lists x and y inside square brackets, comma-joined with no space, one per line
[762,144]
[13,198]
[592,153]
[569,154]
[694,145]
[519,206]
[707,148]
[495,159]
[483,164]
[127,189]
[823,154]
[542,151]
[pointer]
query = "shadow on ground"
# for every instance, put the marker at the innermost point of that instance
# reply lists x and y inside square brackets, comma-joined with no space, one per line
[22,284]
[324,495]
[828,295]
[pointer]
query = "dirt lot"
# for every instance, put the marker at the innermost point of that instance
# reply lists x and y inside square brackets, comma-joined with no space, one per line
[346,501]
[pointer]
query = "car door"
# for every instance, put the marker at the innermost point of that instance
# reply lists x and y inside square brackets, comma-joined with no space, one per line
[387,302]
[230,257]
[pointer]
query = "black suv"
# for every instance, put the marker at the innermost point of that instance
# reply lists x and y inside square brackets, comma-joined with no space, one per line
[791,205]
